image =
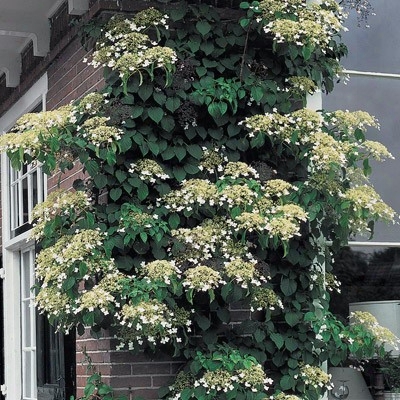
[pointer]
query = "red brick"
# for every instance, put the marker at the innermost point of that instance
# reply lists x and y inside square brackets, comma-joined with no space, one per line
[131,381]
[162,380]
[148,394]
[152,368]
[121,369]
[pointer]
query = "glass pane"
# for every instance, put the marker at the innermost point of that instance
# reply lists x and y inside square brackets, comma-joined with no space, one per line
[25,200]
[380,98]
[14,206]
[27,366]
[367,274]
[26,324]
[34,189]
[376,48]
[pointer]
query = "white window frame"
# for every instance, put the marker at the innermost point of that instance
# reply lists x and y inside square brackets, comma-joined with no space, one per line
[12,248]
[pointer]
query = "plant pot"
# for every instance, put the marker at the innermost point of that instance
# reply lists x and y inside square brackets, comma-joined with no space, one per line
[391,396]
[353,380]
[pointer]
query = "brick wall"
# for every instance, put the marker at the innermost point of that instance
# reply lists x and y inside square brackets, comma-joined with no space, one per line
[130,375]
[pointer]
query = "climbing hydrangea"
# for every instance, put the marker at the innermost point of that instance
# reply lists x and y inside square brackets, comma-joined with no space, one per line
[61,203]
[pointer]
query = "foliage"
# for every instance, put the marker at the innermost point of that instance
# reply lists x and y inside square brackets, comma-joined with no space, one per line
[208,189]
[390,367]
[353,343]
[95,388]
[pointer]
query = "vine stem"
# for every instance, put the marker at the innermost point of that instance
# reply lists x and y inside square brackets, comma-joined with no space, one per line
[244,51]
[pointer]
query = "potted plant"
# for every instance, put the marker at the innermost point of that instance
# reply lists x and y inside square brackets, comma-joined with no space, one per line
[390,367]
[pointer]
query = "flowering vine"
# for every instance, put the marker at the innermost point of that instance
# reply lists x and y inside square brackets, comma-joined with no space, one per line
[207,189]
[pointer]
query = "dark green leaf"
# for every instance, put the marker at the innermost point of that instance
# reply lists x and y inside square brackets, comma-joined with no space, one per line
[288,286]
[203,27]
[115,193]
[172,104]
[155,113]
[203,322]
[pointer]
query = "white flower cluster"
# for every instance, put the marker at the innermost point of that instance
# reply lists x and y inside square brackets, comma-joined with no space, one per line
[315,376]
[202,278]
[364,198]
[96,130]
[151,321]
[331,141]
[243,272]
[58,202]
[300,23]
[160,270]
[63,267]
[371,324]
[31,131]
[148,170]
[128,50]
[252,378]
[213,159]
[192,193]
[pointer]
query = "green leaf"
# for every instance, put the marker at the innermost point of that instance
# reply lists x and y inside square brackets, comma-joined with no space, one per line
[115,193]
[224,315]
[203,27]
[100,181]
[177,13]
[257,93]
[168,123]
[203,322]
[201,71]
[92,167]
[174,220]
[292,318]
[145,91]
[277,339]
[366,167]
[291,344]
[259,336]
[207,48]
[155,113]
[287,382]
[88,319]
[244,22]
[306,52]
[172,104]
[136,111]
[195,151]
[179,173]
[180,153]
[143,191]
[143,236]
[153,147]
[186,394]
[159,97]
[69,283]
[214,110]
[288,286]
[120,175]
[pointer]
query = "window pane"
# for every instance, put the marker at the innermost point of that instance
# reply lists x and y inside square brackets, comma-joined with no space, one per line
[376,48]
[28,325]
[27,382]
[367,274]
[379,97]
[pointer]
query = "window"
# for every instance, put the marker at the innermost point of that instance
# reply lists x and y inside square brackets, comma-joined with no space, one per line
[28,324]
[27,188]
[370,270]
[40,362]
